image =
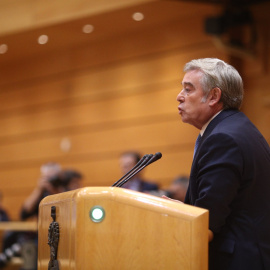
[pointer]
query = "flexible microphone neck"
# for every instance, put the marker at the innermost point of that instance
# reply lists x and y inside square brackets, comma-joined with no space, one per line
[140,162]
[135,170]
[150,160]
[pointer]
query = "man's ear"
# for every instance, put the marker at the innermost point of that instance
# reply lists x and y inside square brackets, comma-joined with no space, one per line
[214,96]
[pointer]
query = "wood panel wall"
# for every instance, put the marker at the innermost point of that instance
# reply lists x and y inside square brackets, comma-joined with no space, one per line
[104,98]
[256,73]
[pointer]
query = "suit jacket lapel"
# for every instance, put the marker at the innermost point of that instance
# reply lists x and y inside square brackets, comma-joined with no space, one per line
[219,118]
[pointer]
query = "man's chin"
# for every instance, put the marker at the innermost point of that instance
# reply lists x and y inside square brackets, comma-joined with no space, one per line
[183,118]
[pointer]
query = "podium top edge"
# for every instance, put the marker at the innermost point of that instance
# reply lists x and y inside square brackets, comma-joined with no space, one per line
[130,197]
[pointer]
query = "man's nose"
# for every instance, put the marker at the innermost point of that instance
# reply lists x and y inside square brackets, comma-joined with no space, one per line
[180,97]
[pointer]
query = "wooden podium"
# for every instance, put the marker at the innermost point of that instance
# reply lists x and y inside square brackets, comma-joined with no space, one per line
[114,228]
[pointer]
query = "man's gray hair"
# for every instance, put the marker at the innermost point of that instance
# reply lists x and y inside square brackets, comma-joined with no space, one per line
[219,74]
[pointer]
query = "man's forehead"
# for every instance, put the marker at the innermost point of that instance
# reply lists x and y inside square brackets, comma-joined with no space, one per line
[191,78]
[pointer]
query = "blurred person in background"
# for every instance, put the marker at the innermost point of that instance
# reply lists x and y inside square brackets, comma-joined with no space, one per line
[53,180]
[178,188]
[176,191]
[3,218]
[45,187]
[28,240]
[3,212]
[127,161]
[68,179]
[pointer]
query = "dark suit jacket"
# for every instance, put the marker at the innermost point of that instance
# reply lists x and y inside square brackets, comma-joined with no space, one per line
[142,185]
[148,186]
[230,176]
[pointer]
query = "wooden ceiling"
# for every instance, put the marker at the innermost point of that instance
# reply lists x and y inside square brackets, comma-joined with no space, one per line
[24,21]
[65,31]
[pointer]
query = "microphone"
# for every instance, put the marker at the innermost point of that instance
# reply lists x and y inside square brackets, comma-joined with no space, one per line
[150,160]
[156,157]
[142,160]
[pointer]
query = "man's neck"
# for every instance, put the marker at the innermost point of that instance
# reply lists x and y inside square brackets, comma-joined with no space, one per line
[206,124]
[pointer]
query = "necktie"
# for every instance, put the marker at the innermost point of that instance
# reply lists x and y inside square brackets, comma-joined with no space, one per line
[197,143]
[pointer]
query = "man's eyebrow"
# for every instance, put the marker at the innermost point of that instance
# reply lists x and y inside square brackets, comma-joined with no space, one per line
[187,84]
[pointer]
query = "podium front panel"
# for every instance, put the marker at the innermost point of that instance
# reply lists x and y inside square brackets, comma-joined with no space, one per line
[115,228]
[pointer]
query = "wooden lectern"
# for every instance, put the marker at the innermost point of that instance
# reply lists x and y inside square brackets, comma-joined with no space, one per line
[115,228]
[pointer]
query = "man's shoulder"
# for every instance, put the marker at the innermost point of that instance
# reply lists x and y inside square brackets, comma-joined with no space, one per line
[227,120]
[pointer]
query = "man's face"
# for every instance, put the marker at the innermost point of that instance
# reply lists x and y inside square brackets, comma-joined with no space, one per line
[193,107]
[127,162]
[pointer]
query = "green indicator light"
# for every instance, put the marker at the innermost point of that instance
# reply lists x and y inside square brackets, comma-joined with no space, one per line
[97,214]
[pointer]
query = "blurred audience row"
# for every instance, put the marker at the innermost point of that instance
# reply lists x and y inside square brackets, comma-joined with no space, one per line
[54,179]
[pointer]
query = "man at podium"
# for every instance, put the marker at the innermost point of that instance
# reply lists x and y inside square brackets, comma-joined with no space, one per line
[231,166]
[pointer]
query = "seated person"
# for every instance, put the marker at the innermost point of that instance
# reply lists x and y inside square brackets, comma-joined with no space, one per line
[127,161]
[178,188]
[4,217]
[3,213]
[68,179]
[53,180]
[44,188]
